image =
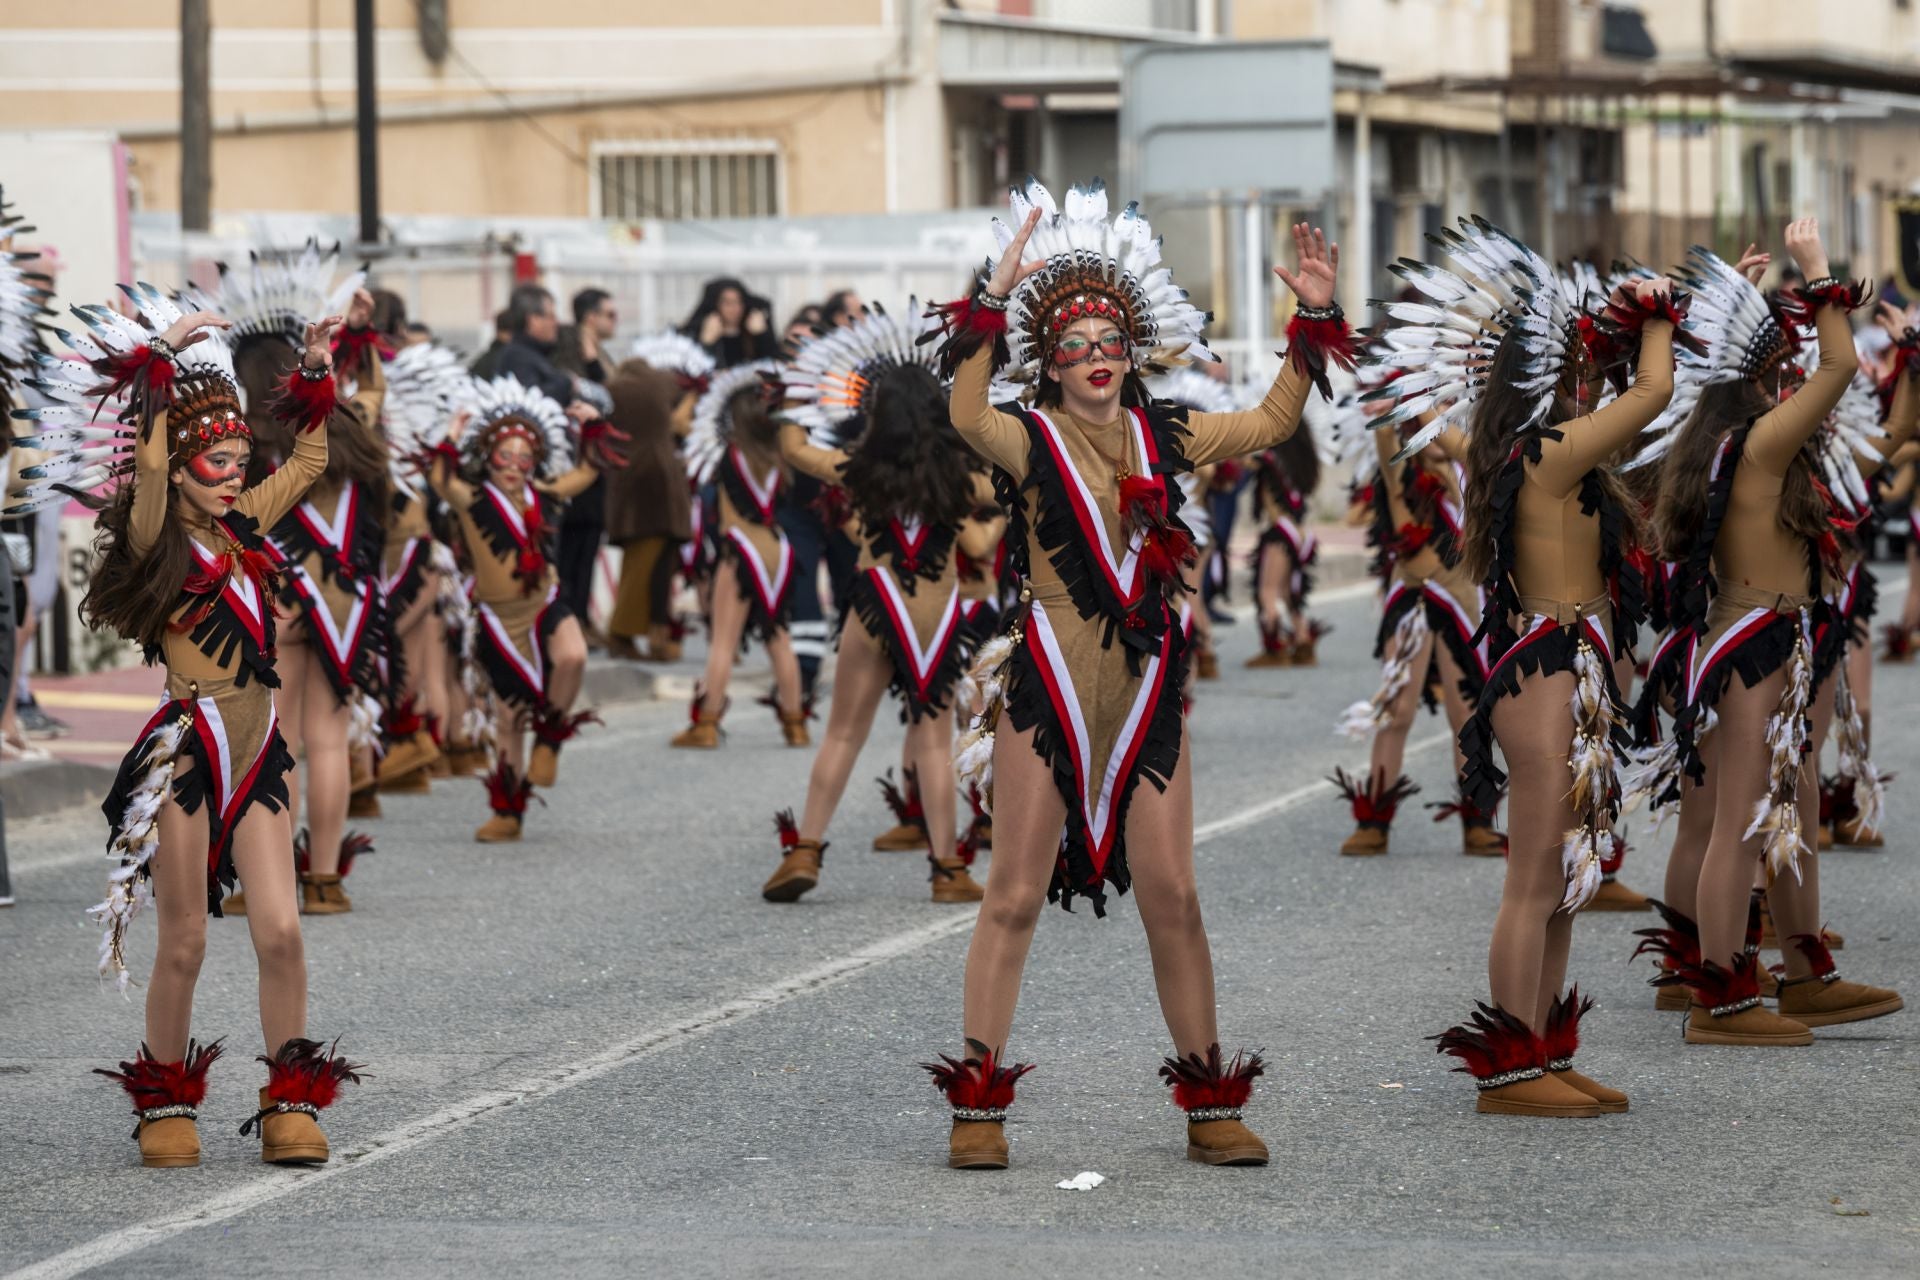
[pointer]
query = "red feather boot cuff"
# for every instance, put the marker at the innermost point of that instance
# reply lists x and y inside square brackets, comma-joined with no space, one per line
[303,1079]
[979,1087]
[165,1090]
[1212,1089]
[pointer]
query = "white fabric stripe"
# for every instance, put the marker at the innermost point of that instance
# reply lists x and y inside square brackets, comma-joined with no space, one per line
[508,510]
[407,557]
[923,659]
[762,490]
[334,531]
[340,643]
[1445,599]
[1702,661]
[1104,815]
[770,587]
[1126,573]
[210,711]
[239,587]
[505,642]
[1047,649]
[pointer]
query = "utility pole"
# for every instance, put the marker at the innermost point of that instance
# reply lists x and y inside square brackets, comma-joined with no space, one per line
[366,118]
[196,116]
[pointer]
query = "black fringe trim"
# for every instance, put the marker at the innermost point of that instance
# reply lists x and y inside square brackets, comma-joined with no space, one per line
[863,600]
[365,542]
[364,675]
[1482,781]
[1755,658]
[1299,584]
[1392,615]
[1029,707]
[761,625]
[744,506]
[503,673]
[412,581]
[930,565]
[1664,685]
[1460,648]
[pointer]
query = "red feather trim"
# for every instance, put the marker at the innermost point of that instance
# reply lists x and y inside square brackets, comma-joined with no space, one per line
[1145,493]
[1899,640]
[1675,945]
[1314,344]
[966,326]
[1849,294]
[980,1084]
[507,791]
[1838,802]
[1756,919]
[1165,551]
[975,803]
[351,347]
[1466,810]
[553,726]
[1562,1036]
[306,402]
[1814,948]
[166,1084]
[1199,1082]
[789,830]
[600,443]
[833,505]
[1491,1043]
[308,1072]
[353,845]
[300,843]
[1375,802]
[907,810]
[967,848]
[1610,865]
[146,378]
[403,720]
[1408,540]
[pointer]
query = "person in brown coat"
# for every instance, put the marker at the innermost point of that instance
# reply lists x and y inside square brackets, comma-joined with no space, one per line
[649,506]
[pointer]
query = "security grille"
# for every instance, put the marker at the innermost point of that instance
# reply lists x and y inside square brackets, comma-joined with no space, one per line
[703,178]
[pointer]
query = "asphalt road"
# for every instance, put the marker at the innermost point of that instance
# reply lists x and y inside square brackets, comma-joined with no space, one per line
[598,1052]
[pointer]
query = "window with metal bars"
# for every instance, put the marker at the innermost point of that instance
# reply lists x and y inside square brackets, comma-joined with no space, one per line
[706,178]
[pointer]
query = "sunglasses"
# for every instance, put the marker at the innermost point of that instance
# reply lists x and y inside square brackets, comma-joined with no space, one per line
[1069,352]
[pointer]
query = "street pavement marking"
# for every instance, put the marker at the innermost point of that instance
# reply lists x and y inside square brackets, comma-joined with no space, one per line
[456,1116]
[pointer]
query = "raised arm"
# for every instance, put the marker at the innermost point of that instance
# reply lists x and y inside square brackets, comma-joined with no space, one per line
[1587,442]
[150,485]
[824,465]
[1228,435]
[1776,439]
[570,484]
[307,399]
[998,437]
[1902,417]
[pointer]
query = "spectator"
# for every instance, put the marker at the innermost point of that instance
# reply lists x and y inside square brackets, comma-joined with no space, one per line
[804,324]
[488,365]
[842,309]
[581,352]
[732,324]
[649,508]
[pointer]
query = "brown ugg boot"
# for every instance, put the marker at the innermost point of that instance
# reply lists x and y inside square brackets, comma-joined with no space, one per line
[1562,1039]
[1304,652]
[1673,999]
[1726,1008]
[1374,805]
[1824,998]
[236,903]
[363,804]
[1899,643]
[909,832]
[1478,836]
[553,728]
[417,783]
[1212,1092]
[623,648]
[952,879]
[464,758]
[303,1079]
[1273,649]
[799,869]
[1855,836]
[411,753]
[1614,896]
[979,1090]
[703,734]
[442,766]
[1508,1065]
[1206,665]
[321,895]
[166,1098]
[793,728]
[507,796]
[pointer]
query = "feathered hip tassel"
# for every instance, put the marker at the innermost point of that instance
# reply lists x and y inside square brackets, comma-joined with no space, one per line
[304,1076]
[1318,337]
[1375,804]
[1207,1088]
[1776,817]
[977,1087]
[1408,643]
[1595,794]
[1494,1047]
[166,1088]
[304,402]
[907,810]
[1562,1036]
[1674,947]
[133,844]
[507,791]
[1857,769]
[363,724]
[966,326]
[553,726]
[985,686]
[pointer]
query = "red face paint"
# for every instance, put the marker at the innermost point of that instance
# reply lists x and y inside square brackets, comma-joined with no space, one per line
[216,467]
[508,460]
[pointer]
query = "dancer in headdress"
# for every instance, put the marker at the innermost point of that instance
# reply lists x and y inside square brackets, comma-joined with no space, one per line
[1500,352]
[200,799]
[735,442]
[1194,390]
[1084,700]
[1743,507]
[867,414]
[1284,478]
[497,469]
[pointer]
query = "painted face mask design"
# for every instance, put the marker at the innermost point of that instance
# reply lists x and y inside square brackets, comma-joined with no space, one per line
[1077,350]
[216,467]
[507,460]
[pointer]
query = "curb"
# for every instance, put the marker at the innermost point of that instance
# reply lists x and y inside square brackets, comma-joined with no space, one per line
[37,788]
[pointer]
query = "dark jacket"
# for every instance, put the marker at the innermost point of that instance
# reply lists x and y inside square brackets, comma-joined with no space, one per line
[648,498]
[533,364]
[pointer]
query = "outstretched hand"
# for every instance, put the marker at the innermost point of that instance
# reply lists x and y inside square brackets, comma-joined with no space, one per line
[193,327]
[1651,288]
[1011,270]
[1892,318]
[1803,243]
[458,427]
[318,343]
[360,310]
[1753,263]
[1318,266]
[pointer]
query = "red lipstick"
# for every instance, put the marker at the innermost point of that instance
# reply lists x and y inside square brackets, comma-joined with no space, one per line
[1100,377]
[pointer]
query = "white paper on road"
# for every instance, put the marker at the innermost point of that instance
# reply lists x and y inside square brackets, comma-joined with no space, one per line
[1082,1181]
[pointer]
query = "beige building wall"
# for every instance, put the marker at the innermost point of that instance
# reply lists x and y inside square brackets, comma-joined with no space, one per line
[1408,40]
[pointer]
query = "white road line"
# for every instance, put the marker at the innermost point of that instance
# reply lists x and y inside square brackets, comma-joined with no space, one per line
[456,1116]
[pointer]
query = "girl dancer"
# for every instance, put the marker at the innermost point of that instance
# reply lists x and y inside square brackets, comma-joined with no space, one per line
[911,493]
[494,469]
[1284,478]
[200,799]
[1741,509]
[735,437]
[1505,356]
[1085,687]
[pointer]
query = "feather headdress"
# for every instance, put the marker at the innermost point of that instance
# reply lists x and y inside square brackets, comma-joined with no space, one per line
[675,353]
[1192,389]
[1846,437]
[1443,349]
[277,297]
[24,292]
[1095,266]
[830,380]
[506,406]
[426,385]
[712,423]
[97,409]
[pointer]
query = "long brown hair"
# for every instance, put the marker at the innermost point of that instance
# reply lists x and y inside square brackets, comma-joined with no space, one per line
[1681,509]
[261,365]
[135,595]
